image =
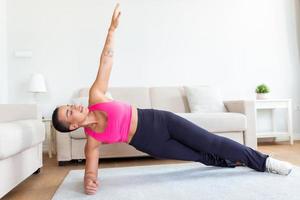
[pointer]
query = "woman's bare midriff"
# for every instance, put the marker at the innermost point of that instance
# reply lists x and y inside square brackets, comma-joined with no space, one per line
[133,123]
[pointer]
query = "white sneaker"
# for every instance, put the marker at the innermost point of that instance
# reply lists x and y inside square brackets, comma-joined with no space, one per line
[278,167]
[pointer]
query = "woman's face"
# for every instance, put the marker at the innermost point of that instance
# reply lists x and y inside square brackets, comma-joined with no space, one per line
[73,115]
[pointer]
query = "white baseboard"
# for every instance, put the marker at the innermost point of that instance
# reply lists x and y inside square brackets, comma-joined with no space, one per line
[280,139]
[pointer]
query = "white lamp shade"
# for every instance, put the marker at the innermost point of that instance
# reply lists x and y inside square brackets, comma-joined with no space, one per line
[37,83]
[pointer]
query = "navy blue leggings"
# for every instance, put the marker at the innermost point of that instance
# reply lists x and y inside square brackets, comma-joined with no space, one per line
[165,135]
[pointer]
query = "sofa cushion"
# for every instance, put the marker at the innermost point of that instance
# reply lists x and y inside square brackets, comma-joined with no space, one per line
[137,96]
[218,122]
[170,98]
[15,136]
[84,100]
[203,98]
[81,101]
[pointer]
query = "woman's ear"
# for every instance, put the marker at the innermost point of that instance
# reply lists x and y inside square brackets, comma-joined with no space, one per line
[73,126]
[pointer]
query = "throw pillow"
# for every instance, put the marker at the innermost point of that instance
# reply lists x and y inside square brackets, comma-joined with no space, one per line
[204,98]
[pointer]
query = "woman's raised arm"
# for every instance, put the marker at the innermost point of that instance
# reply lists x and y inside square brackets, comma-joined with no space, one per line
[106,59]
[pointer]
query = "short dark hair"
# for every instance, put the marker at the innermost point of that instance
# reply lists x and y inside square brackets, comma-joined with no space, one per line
[58,124]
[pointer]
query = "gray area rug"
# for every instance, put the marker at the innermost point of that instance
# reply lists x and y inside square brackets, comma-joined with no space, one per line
[184,181]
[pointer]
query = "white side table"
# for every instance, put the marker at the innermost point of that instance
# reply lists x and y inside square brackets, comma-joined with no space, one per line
[50,136]
[272,104]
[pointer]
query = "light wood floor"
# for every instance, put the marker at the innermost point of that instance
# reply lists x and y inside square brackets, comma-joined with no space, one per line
[44,185]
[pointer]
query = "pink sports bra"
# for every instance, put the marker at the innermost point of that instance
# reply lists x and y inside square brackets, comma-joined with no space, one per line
[118,121]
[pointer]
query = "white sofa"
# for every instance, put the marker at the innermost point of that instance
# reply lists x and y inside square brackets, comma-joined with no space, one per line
[238,123]
[21,135]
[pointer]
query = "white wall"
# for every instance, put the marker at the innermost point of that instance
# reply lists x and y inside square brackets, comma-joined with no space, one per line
[234,44]
[3,56]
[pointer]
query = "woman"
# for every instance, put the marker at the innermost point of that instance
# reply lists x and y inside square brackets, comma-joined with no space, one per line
[159,133]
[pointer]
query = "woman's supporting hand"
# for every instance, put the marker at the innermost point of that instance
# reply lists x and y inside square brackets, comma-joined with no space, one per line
[115,18]
[91,185]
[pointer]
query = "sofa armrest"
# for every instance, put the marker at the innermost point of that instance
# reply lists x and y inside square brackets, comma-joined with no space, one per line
[12,112]
[246,107]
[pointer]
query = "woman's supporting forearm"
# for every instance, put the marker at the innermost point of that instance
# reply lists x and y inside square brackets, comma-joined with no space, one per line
[91,164]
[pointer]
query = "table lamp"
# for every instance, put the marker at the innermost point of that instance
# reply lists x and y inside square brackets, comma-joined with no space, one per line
[37,85]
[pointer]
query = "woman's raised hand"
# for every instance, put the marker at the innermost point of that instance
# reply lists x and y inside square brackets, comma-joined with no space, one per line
[115,18]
